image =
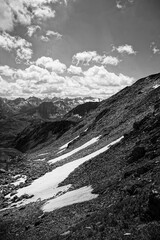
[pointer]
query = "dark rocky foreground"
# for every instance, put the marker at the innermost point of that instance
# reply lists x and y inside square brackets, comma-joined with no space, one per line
[127,179]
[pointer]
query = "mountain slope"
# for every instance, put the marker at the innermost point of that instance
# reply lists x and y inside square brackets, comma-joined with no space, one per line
[36,134]
[127,181]
[116,115]
[82,109]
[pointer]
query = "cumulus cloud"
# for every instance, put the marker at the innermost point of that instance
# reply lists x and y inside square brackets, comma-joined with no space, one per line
[101,77]
[44,38]
[7,73]
[122,4]
[52,65]
[13,12]
[44,12]
[74,70]
[119,5]
[20,46]
[154,48]
[24,54]
[91,56]
[9,42]
[110,60]
[50,33]
[32,29]
[84,57]
[44,78]
[125,49]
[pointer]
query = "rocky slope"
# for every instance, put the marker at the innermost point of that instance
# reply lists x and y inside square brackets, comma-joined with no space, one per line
[82,110]
[36,134]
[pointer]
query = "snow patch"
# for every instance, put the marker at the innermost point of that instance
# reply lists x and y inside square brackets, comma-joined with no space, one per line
[76,196]
[46,186]
[20,180]
[42,154]
[66,145]
[92,141]
[156,86]
[61,151]
[39,160]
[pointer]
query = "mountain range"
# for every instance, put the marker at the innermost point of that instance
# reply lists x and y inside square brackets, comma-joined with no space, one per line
[17,114]
[40,108]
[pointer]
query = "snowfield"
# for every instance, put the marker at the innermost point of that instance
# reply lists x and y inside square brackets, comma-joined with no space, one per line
[20,179]
[46,186]
[66,145]
[76,196]
[66,155]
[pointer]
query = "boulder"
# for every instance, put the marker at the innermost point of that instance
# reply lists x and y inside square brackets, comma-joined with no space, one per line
[136,154]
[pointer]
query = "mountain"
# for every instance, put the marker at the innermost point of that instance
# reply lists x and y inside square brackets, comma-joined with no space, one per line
[45,110]
[19,113]
[34,101]
[5,109]
[82,109]
[33,106]
[41,133]
[97,178]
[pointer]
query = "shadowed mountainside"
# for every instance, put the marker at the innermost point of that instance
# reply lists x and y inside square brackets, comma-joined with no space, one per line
[82,110]
[35,134]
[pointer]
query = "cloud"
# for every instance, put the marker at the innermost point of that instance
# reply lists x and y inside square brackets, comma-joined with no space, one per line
[24,12]
[52,65]
[154,48]
[20,46]
[44,39]
[44,12]
[74,70]
[50,33]
[7,73]
[101,77]
[6,17]
[92,57]
[84,57]
[110,60]
[122,4]
[44,78]
[119,5]
[24,54]
[32,29]
[125,49]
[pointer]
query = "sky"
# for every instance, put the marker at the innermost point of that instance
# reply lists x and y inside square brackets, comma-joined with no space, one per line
[76,48]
